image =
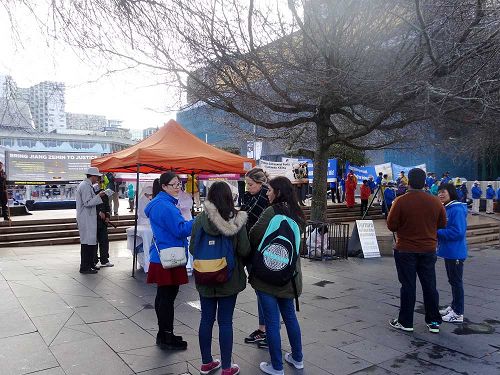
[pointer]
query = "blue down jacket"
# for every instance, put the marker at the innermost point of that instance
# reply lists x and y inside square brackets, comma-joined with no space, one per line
[452,242]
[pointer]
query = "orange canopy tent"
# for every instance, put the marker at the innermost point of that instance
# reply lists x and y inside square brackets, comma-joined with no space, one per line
[173,148]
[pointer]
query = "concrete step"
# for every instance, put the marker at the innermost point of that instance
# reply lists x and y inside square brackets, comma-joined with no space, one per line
[481,231]
[57,241]
[71,220]
[21,237]
[483,225]
[483,239]
[49,227]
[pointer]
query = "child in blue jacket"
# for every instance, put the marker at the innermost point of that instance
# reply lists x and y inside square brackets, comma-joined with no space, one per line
[452,246]
[490,195]
[389,196]
[476,197]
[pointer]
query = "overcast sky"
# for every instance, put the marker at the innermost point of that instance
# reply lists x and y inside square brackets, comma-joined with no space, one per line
[126,96]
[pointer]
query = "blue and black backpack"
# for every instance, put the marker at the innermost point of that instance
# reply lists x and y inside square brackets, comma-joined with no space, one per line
[275,260]
[213,258]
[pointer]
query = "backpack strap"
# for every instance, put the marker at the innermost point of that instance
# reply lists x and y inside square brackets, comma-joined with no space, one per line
[296,298]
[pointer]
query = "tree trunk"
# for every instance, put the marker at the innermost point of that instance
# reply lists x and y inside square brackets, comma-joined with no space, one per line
[318,207]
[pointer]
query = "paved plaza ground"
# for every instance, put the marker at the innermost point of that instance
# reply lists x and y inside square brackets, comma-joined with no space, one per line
[55,321]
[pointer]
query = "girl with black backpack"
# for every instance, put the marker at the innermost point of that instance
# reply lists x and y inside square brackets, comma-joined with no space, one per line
[219,242]
[276,275]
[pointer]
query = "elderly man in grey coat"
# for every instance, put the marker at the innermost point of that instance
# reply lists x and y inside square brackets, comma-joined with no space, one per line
[86,202]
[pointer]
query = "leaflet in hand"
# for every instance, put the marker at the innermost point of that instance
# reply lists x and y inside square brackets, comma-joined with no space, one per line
[109,192]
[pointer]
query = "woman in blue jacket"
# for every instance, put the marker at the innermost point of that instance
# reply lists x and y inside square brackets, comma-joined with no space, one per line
[452,246]
[169,230]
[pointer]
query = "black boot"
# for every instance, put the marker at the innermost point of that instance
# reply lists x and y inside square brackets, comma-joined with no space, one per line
[170,343]
[160,338]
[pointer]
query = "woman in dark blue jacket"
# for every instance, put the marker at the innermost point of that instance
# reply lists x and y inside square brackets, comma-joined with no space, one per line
[170,230]
[452,246]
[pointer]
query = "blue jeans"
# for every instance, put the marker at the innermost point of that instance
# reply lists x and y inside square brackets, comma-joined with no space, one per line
[260,312]
[455,271]
[409,265]
[271,307]
[224,307]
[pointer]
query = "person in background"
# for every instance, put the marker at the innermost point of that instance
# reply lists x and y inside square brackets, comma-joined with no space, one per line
[193,189]
[452,247]
[402,184]
[113,185]
[446,178]
[429,181]
[490,195]
[103,216]
[255,201]
[342,187]
[389,196]
[185,205]
[373,187]
[378,183]
[350,186]
[220,218]
[241,192]
[434,188]
[131,196]
[334,191]
[144,198]
[415,217]
[3,194]
[276,300]
[170,229]
[476,197]
[86,202]
[365,196]
[464,191]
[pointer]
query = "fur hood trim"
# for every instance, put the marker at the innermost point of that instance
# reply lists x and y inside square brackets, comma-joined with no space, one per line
[227,228]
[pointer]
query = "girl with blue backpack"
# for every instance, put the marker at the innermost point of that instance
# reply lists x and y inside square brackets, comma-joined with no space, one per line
[276,275]
[219,243]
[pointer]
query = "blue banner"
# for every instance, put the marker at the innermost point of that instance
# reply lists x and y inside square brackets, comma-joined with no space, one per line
[362,173]
[396,169]
[331,175]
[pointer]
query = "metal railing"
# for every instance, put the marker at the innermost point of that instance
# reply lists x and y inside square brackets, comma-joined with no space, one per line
[325,240]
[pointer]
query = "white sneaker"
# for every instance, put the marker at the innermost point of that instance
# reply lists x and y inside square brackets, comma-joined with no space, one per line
[445,311]
[453,317]
[269,369]
[108,264]
[298,365]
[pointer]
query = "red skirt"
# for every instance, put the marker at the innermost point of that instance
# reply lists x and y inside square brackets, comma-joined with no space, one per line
[161,276]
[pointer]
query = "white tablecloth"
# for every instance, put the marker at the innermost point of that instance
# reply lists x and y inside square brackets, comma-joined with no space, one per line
[144,236]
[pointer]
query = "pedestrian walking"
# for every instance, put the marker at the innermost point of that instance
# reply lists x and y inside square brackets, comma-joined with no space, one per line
[254,203]
[218,233]
[112,184]
[416,217]
[131,197]
[452,247]
[476,197]
[103,216]
[170,232]
[490,195]
[3,194]
[86,213]
[278,279]
[365,196]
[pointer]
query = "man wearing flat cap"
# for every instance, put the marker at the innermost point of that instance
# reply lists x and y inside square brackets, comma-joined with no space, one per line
[86,202]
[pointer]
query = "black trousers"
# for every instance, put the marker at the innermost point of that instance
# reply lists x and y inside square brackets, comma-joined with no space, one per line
[335,192]
[409,265]
[103,242]
[87,253]
[3,204]
[364,205]
[164,306]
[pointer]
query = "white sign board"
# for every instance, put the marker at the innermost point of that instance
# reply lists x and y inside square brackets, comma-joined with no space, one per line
[368,238]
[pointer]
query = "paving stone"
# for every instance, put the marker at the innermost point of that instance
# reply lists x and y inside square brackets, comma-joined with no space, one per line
[15,322]
[370,351]
[411,364]
[98,311]
[91,356]
[72,334]
[25,354]
[49,325]
[122,335]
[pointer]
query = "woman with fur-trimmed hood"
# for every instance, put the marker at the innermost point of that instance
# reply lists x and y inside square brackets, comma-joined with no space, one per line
[220,217]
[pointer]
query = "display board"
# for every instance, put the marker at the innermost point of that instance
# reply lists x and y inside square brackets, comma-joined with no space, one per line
[364,238]
[25,167]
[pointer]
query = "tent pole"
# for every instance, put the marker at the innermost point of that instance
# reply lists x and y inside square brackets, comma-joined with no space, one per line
[134,253]
[192,193]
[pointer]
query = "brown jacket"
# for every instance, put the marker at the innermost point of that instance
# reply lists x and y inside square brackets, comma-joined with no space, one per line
[415,217]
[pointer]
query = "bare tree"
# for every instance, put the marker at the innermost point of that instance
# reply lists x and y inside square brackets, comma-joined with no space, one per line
[340,72]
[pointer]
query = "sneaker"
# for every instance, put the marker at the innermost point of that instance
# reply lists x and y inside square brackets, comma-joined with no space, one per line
[262,344]
[298,365]
[269,369]
[88,272]
[107,264]
[234,370]
[211,367]
[433,327]
[453,317]
[96,267]
[445,311]
[255,336]
[395,324]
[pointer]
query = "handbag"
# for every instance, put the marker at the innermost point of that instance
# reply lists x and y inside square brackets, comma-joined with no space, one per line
[171,257]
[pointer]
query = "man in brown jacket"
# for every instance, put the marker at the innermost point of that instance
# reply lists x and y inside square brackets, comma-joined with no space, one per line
[415,217]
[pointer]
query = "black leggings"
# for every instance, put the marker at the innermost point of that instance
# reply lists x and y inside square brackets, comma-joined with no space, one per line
[164,306]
